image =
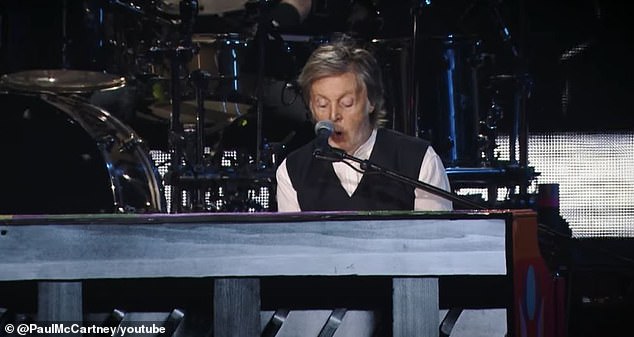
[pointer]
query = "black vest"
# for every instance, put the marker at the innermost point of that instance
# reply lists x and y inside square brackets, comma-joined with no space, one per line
[319,189]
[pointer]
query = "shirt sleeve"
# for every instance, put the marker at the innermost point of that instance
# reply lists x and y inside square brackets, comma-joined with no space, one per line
[286,195]
[432,172]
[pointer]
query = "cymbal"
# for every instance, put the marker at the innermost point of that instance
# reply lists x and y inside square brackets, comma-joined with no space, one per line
[217,113]
[61,81]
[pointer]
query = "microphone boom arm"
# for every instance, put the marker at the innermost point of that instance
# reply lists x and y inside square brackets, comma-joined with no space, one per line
[369,167]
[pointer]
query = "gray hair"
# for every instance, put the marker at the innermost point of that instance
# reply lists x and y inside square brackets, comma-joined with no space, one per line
[340,57]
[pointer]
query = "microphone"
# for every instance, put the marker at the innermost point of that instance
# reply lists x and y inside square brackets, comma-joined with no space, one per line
[323,130]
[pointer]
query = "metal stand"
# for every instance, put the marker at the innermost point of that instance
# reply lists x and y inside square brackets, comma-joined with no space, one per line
[369,167]
[178,56]
[410,121]
[200,81]
[176,139]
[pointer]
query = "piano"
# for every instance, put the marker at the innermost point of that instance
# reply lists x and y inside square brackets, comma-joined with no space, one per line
[414,250]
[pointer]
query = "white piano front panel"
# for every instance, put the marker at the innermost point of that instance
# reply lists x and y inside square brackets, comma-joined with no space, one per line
[409,247]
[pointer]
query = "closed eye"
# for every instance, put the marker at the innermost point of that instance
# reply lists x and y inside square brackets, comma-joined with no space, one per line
[321,103]
[347,102]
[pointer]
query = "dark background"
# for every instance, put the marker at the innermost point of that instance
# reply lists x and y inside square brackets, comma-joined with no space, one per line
[590,90]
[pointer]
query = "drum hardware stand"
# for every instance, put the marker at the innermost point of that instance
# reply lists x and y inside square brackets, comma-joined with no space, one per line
[525,84]
[200,81]
[522,86]
[410,121]
[178,56]
[489,125]
[489,133]
[261,35]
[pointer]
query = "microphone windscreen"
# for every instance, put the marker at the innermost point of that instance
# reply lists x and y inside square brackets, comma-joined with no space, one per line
[324,126]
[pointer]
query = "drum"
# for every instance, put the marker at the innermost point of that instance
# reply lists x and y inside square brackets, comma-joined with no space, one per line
[107,91]
[229,94]
[224,57]
[63,81]
[450,95]
[394,56]
[63,155]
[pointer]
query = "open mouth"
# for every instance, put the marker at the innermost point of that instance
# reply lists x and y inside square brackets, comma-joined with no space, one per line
[337,135]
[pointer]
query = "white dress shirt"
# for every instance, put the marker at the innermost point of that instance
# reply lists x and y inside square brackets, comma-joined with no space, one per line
[431,172]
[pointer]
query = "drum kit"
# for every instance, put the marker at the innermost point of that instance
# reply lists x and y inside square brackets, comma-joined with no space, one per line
[192,85]
[198,100]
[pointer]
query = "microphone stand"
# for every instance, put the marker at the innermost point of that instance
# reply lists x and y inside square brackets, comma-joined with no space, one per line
[367,166]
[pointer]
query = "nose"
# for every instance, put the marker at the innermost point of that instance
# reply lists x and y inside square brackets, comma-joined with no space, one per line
[335,114]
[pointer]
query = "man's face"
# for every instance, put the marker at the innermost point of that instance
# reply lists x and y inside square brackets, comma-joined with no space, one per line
[341,100]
